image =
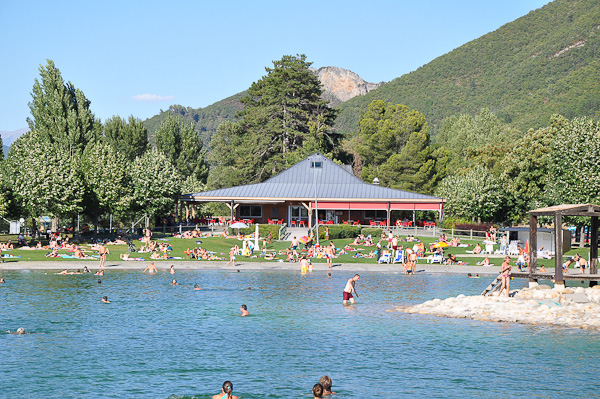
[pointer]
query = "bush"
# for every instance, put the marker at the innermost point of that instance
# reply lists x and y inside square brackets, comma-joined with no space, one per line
[339,231]
[263,230]
[375,233]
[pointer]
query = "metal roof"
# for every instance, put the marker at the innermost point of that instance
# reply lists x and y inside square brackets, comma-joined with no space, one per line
[330,181]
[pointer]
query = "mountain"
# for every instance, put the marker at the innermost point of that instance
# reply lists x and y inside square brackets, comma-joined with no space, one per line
[9,137]
[339,85]
[543,63]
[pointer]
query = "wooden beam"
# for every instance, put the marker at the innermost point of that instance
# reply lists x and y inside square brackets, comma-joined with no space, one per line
[594,247]
[532,247]
[558,272]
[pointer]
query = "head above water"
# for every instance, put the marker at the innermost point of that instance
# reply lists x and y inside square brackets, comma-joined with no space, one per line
[20,330]
[317,391]
[228,387]
[244,307]
[326,382]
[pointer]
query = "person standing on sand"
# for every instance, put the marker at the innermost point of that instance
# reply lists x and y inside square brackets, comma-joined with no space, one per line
[505,270]
[102,251]
[172,271]
[231,257]
[150,269]
[329,250]
[349,289]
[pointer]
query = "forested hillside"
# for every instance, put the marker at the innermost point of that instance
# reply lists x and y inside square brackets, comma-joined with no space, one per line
[206,120]
[544,63]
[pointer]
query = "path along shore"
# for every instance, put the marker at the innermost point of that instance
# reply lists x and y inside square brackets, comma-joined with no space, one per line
[220,265]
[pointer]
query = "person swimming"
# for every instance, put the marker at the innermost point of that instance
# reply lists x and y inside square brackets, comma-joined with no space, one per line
[244,310]
[317,391]
[326,383]
[196,287]
[226,392]
[105,299]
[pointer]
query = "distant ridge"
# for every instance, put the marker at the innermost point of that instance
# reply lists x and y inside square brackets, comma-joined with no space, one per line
[545,62]
[339,85]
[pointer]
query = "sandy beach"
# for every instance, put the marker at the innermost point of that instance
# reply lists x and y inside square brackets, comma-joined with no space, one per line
[217,265]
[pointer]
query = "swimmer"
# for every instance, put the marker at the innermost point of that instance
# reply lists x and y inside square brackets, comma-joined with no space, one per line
[99,273]
[317,391]
[20,331]
[326,382]
[174,282]
[196,287]
[172,271]
[2,280]
[150,269]
[244,310]
[349,289]
[226,392]
[105,299]
[86,270]
[329,274]
[63,272]
[99,281]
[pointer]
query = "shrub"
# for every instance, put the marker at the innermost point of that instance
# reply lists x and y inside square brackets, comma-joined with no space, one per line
[375,233]
[339,231]
[263,230]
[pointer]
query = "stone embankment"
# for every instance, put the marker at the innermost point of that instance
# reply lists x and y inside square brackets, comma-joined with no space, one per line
[568,307]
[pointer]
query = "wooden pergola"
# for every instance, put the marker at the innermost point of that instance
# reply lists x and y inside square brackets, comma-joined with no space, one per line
[557,212]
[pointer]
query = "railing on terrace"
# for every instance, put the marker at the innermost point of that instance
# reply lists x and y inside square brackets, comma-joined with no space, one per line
[282,231]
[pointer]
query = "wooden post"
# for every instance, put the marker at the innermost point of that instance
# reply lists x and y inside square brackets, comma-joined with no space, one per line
[388,214]
[594,249]
[532,247]
[558,272]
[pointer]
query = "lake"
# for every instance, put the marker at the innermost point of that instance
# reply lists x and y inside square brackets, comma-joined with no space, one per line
[155,340]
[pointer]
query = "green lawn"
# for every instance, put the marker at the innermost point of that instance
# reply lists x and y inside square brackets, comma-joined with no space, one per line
[221,247]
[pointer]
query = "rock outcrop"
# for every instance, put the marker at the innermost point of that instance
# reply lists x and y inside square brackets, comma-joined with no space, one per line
[341,85]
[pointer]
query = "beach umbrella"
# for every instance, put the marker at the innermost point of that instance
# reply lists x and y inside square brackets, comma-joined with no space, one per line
[440,244]
[527,247]
[238,226]
[304,239]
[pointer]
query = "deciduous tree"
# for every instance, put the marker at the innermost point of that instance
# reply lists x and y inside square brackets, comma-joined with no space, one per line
[61,113]
[128,137]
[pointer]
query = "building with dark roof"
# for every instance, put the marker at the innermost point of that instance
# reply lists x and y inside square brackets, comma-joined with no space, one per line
[316,184]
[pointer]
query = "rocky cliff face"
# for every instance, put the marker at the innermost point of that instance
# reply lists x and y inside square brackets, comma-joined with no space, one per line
[340,84]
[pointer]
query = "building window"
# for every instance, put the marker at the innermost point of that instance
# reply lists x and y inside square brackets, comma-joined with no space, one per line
[375,214]
[275,212]
[250,211]
[316,164]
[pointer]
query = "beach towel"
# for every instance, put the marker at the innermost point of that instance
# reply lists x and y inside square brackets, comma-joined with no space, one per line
[10,256]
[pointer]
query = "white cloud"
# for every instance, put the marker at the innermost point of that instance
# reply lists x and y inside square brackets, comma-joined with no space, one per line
[152,97]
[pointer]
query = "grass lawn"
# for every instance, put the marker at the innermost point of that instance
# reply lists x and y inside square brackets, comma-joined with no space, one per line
[221,247]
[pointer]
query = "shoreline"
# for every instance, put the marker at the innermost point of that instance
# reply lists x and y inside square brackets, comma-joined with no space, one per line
[220,265]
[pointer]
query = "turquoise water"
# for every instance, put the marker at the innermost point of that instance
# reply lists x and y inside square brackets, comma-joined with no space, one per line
[155,340]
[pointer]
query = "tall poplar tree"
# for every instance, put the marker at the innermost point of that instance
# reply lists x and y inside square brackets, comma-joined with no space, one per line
[128,137]
[61,113]
[181,145]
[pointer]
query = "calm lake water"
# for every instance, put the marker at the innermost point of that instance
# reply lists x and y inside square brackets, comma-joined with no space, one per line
[161,341]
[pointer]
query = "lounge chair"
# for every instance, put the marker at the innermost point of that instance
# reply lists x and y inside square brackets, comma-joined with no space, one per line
[399,258]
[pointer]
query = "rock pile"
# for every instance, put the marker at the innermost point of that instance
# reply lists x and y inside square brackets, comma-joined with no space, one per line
[569,307]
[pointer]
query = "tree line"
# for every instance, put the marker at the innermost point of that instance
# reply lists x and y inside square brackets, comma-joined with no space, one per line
[71,163]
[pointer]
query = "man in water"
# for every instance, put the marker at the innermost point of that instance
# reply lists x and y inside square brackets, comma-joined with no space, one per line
[150,269]
[244,310]
[105,299]
[349,289]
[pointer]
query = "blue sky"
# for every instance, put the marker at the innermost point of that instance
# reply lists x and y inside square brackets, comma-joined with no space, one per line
[138,57]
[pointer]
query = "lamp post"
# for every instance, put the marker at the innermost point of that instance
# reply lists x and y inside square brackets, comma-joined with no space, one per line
[314,166]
